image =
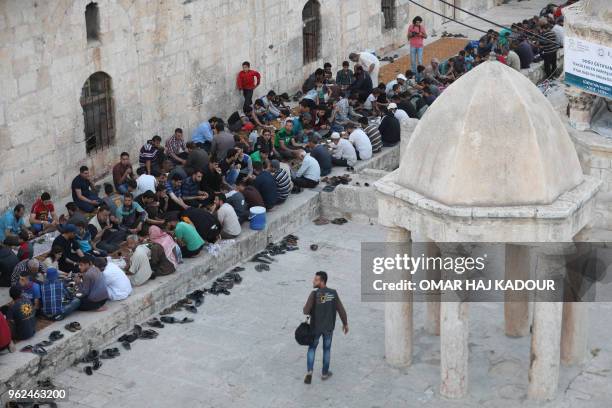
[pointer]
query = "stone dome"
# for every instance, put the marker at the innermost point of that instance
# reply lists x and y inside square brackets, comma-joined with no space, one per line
[490,139]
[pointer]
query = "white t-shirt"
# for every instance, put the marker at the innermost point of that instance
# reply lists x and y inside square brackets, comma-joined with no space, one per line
[118,284]
[401,114]
[368,102]
[145,182]
[362,143]
[365,60]
[228,219]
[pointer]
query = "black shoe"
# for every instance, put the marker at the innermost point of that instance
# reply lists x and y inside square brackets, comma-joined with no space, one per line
[97,364]
[155,323]
[88,370]
[308,378]
[168,319]
[238,269]
[126,345]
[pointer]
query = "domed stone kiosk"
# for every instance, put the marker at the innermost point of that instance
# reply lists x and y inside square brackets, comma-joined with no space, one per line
[489,162]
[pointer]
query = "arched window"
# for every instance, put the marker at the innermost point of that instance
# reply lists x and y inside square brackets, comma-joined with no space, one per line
[92,22]
[388,10]
[311,32]
[98,112]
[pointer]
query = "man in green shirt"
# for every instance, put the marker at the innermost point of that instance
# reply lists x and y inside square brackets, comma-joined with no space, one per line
[190,242]
[284,141]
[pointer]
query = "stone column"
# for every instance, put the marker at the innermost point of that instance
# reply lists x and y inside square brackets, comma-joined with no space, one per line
[432,317]
[454,331]
[516,304]
[546,333]
[575,324]
[398,315]
[580,107]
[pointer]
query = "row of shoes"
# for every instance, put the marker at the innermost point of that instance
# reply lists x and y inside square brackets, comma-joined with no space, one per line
[337,180]
[39,348]
[446,34]
[223,284]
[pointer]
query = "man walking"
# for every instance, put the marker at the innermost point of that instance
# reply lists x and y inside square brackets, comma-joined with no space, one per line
[322,305]
[246,82]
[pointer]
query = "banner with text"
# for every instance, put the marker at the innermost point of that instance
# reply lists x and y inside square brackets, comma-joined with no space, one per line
[588,66]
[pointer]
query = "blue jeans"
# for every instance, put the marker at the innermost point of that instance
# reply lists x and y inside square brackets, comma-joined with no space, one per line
[87,207]
[231,177]
[414,54]
[122,188]
[310,357]
[68,308]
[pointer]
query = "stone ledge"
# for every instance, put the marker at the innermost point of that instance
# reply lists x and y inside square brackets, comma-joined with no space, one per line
[19,370]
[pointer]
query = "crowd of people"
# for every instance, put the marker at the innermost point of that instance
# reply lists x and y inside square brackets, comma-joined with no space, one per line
[181,195]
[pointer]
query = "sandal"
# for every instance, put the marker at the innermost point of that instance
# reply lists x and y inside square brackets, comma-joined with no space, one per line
[97,364]
[168,319]
[191,309]
[314,247]
[55,335]
[262,267]
[27,349]
[73,326]
[109,353]
[321,221]
[186,320]
[149,334]
[88,370]
[44,343]
[238,269]
[39,350]
[155,323]
[91,356]
[126,345]
[166,311]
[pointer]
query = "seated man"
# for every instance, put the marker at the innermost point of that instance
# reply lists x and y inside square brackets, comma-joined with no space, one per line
[186,235]
[344,153]
[33,267]
[122,172]
[131,215]
[118,285]
[230,226]
[26,247]
[30,290]
[198,158]
[309,173]
[175,194]
[238,202]
[8,261]
[202,136]
[21,316]
[266,185]
[192,194]
[57,301]
[42,215]
[175,148]
[321,154]
[389,129]
[6,340]
[151,156]
[284,142]
[373,134]
[144,182]
[205,223]
[91,285]
[148,201]
[251,194]
[361,142]
[71,250]
[139,266]
[105,235]
[12,222]
[83,193]
[284,185]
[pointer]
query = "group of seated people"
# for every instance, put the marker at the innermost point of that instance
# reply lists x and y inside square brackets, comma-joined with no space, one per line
[531,40]
[180,197]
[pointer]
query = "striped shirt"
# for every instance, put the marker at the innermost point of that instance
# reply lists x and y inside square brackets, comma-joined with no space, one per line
[283,184]
[148,152]
[549,46]
[375,139]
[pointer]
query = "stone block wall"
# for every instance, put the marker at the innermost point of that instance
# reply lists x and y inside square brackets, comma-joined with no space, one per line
[172,64]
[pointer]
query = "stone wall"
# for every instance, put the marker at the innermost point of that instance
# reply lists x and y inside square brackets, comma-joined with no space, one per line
[172,64]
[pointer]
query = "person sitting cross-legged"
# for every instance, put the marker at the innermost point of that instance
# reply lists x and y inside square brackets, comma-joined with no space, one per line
[57,301]
[139,266]
[131,215]
[42,215]
[91,285]
[309,173]
[227,217]
[187,237]
[21,315]
[344,153]
[83,193]
[118,285]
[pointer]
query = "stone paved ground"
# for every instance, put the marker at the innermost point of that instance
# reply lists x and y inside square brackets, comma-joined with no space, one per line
[240,352]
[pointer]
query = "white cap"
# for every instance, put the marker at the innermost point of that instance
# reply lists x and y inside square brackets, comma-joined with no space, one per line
[392,105]
[335,135]
[402,77]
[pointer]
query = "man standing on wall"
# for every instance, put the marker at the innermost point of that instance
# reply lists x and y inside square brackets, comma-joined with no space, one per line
[322,305]
[247,81]
[416,35]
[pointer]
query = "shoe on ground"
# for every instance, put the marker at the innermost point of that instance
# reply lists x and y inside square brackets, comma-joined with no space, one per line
[326,376]
[308,378]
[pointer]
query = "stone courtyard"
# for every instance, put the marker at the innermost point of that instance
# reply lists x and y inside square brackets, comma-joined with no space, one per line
[240,350]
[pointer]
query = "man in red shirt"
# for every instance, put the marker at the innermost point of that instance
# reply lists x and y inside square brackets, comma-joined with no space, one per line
[6,341]
[42,216]
[247,81]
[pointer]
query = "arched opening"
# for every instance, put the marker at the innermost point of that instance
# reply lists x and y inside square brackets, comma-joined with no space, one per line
[389,14]
[92,22]
[311,32]
[98,112]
